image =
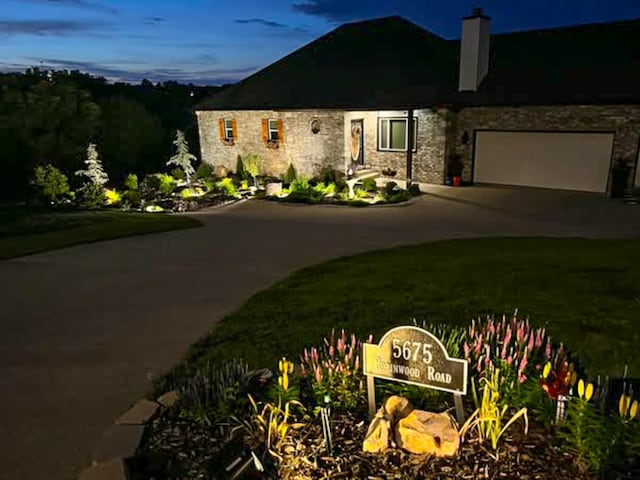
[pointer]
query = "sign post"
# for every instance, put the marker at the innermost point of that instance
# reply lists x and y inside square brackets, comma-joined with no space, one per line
[413,355]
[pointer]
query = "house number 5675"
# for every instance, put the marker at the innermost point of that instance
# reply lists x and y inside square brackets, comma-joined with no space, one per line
[411,350]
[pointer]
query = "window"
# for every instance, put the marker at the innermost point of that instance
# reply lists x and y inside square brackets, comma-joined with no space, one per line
[393,134]
[228,129]
[273,130]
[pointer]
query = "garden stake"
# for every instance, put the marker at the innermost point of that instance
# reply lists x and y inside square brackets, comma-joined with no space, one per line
[561,408]
[325,412]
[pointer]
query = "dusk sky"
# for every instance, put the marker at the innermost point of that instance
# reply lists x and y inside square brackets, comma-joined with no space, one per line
[214,42]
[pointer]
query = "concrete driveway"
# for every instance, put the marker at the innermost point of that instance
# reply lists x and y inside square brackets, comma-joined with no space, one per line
[81,329]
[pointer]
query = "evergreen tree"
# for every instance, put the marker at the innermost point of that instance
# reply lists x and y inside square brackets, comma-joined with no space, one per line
[94,172]
[183,158]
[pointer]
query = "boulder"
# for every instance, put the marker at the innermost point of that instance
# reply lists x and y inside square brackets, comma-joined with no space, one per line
[377,438]
[220,171]
[426,432]
[397,407]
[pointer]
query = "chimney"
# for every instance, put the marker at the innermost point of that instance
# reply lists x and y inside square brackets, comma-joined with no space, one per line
[474,50]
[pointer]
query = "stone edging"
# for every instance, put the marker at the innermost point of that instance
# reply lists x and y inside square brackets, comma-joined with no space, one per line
[121,440]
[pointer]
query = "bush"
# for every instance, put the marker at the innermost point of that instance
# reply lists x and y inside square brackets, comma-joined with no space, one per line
[178,174]
[166,184]
[91,195]
[299,184]
[112,197]
[204,171]
[131,199]
[131,182]
[291,174]
[240,172]
[331,175]
[369,185]
[51,184]
[389,188]
[228,188]
[414,189]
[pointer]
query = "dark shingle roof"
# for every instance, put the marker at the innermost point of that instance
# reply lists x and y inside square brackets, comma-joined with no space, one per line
[387,61]
[393,63]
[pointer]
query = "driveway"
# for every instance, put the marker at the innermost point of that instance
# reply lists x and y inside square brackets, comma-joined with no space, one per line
[83,329]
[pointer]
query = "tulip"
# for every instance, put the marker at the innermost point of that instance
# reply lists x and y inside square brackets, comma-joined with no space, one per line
[588,393]
[530,345]
[623,405]
[466,349]
[285,382]
[581,389]
[547,370]
[634,410]
[574,377]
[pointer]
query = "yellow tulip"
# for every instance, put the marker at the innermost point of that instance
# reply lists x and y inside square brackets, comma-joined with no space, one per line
[581,388]
[285,382]
[634,410]
[574,377]
[571,368]
[588,392]
[547,370]
[290,367]
[280,381]
[280,366]
[623,405]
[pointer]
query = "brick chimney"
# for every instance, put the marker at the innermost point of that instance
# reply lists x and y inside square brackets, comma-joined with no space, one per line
[474,50]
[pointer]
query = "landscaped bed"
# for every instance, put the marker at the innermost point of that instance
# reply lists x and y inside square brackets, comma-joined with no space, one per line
[583,292]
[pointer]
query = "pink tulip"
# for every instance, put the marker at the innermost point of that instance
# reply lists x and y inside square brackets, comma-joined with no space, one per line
[466,349]
[303,371]
[547,351]
[356,365]
[331,351]
[509,360]
[531,342]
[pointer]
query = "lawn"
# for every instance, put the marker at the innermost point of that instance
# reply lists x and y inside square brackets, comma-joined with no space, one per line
[586,292]
[26,231]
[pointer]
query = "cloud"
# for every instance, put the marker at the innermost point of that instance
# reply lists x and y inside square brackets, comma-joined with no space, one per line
[153,20]
[87,4]
[276,26]
[41,28]
[118,71]
[261,21]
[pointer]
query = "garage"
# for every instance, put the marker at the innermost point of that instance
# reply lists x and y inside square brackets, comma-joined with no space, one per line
[559,160]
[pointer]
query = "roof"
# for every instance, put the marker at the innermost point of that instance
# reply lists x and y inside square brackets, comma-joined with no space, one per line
[390,63]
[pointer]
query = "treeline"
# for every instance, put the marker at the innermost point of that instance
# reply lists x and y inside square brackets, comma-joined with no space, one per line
[51,117]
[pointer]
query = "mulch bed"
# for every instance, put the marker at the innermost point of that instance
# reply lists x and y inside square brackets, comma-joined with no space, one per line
[175,448]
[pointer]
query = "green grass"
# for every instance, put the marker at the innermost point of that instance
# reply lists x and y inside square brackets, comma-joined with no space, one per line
[587,293]
[25,231]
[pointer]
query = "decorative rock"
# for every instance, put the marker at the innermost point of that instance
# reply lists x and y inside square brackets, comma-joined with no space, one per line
[139,414]
[377,438]
[220,171]
[274,188]
[119,441]
[112,470]
[397,407]
[426,432]
[168,399]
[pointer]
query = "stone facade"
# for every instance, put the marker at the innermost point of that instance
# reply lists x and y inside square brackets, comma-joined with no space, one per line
[307,151]
[623,120]
[428,159]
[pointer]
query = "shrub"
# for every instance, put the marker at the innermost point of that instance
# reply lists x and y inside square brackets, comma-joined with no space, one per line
[166,184]
[240,172]
[91,196]
[291,174]
[131,199]
[51,184]
[299,184]
[178,174]
[334,369]
[204,170]
[398,196]
[131,182]
[331,175]
[369,185]
[252,166]
[414,189]
[389,188]
[112,197]
[191,192]
[227,187]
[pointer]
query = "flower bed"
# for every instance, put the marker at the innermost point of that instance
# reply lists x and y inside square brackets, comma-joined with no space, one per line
[230,418]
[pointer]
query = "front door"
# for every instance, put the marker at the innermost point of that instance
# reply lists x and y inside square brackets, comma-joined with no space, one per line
[357,142]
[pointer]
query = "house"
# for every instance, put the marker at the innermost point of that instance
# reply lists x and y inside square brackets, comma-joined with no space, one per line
[554,108]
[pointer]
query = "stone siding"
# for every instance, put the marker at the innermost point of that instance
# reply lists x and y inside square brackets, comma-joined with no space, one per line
[623,120]
[428,160]
[306,150]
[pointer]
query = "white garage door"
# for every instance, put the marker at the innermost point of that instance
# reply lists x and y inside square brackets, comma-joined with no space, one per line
[567,161]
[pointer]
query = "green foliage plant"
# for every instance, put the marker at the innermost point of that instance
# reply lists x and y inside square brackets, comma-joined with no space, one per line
[112,197]
[182,157]
[335,370]
[252,166]
[389,188]
[240,171]
[290,175]
[489,420]
[369,185]
[51,185]
[204,171]
[269,424]
[228,188]
[91,196]
[131,182]
[178,174]
[166,184]
[212,393]
[299,184]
